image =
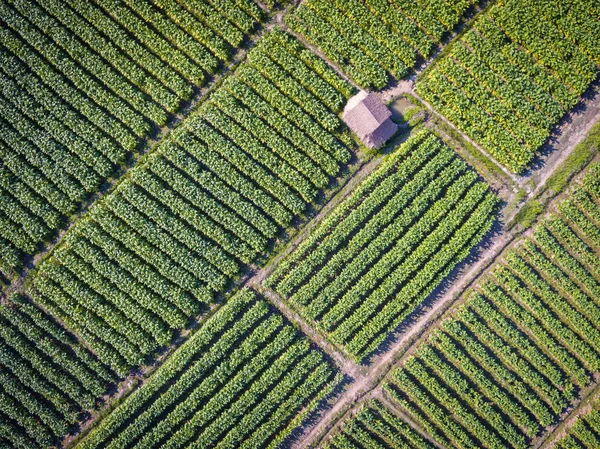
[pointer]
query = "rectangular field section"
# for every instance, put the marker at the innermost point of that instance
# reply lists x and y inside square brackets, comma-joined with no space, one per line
[47,378]
[507,85]
[513,357]
[383,250]
[375,426]
[84,85]
[371,40]
[245,379]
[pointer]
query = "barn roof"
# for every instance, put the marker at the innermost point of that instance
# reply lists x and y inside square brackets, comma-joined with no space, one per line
[369,119]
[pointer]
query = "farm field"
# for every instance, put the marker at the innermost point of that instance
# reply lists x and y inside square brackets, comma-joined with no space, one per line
[376,426]
[506,85]
[509,361]
[240,381]
[84,85]
[308,224]
[379,255]
[47,377]
[374,40]
[181,226]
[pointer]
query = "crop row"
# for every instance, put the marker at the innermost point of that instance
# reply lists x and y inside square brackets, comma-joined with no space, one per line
[183,223]
[237,382]
[373,39]
[378,256]
[512,358]
[84,83]
[47,378]
[376,426]
[507,86]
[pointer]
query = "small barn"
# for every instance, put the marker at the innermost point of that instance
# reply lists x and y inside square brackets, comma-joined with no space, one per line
[370,119]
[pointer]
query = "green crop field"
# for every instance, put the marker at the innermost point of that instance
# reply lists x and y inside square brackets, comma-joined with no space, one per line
[160,247]
[375,39]
[317,224]
[384,249]
[506,85]
[83,84]
[508,362]
[242,380]
[376,426]
[47,378]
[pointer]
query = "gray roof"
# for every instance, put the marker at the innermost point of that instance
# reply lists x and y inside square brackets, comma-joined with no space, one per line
[369,119]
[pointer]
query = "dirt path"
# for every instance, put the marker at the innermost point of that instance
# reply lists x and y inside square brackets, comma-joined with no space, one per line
[357,391]
[402,87]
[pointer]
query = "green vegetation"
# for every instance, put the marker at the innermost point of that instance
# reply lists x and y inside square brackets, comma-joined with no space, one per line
[83,85]
[581,155]
[182,224]
[374,39]
[46,377]
[484,165]
[380,253]
[511,359]
[584,433]
[530,211]
[506,85]
[374,426]
[245,379]
[158,156]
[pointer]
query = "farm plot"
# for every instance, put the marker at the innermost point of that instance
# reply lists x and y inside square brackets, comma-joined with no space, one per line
[374,426]
[381,252]
[509,361]
[584,433]
[82,85]
[46,378]
[245,379]
[371,40]
[507,85]
[155,251]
